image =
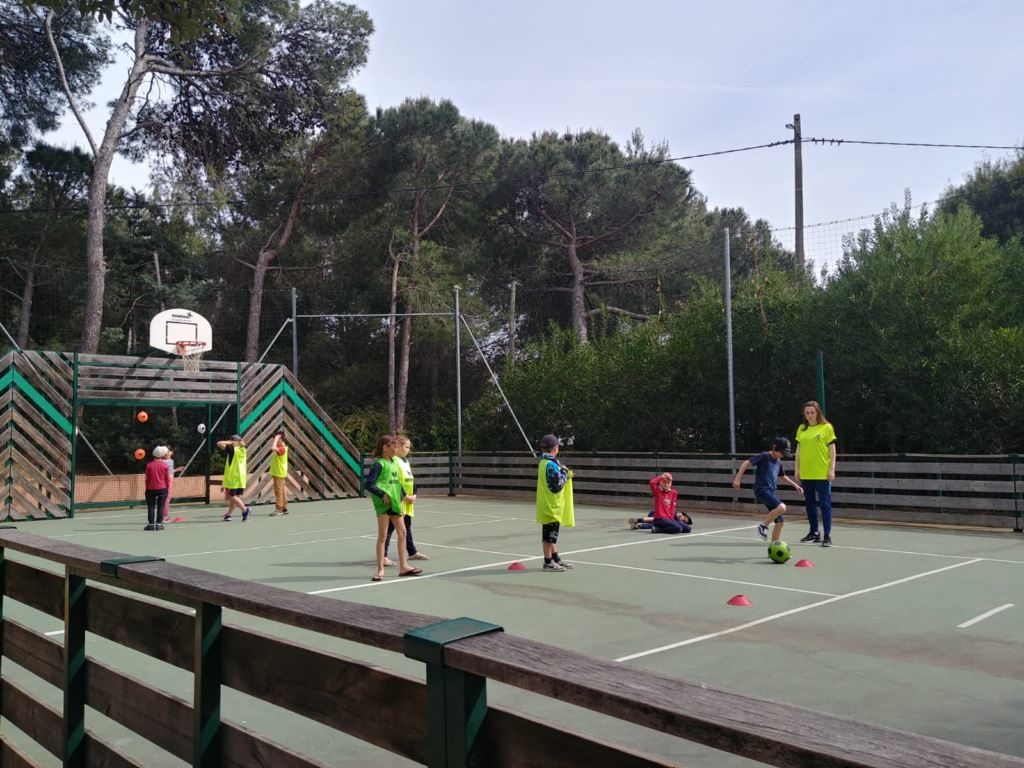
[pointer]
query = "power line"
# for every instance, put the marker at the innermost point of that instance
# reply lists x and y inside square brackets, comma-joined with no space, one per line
[843,221]
[337,197]
[812,140]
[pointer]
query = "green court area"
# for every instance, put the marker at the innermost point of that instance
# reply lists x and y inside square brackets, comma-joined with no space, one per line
[912,628]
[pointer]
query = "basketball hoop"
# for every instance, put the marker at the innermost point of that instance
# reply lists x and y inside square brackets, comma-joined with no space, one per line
[191,354]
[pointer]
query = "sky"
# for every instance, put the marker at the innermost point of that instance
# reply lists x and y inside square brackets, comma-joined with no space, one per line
[705,77]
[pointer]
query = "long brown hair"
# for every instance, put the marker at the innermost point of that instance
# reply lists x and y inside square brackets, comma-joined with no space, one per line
[382,442]
[817,408]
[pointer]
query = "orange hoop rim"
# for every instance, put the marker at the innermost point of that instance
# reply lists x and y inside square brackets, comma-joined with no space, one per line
[186,348]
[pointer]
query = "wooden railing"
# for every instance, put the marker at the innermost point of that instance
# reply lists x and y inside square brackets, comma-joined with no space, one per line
[338,693]
[959,490]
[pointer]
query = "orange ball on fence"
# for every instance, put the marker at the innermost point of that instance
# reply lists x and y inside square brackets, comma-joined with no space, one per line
[140,454]
[142,416]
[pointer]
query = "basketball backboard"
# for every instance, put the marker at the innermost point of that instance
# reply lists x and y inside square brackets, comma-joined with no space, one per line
[169,327]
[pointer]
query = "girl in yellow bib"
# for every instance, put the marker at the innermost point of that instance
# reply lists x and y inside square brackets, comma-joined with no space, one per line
[408,482]
[385,488]
[816,470]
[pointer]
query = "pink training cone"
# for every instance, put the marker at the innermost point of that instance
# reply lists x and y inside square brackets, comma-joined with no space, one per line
[740,600]
[804,564]
[517,567]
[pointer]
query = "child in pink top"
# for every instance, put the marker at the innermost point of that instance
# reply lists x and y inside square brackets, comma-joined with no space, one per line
[664,518]
[158,483]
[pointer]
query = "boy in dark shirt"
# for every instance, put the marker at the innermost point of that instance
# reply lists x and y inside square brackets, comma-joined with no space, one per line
[768,468]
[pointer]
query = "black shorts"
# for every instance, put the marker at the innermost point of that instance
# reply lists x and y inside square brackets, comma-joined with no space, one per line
[234,491]
[549,533]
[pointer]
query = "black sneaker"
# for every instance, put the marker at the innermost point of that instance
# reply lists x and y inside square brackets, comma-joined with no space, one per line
[812,536]
[827,541]
[245,513]
[762,531]
[159,526]
[150,527]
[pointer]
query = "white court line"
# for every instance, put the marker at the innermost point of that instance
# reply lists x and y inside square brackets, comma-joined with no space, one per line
[908,552]
[984,616]
[418,528]
[467,549]
[707,578]
[646,540]
[270,546]
[792,611]
[55,632]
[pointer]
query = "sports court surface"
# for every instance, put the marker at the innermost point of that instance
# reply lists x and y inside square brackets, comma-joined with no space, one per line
[913,628]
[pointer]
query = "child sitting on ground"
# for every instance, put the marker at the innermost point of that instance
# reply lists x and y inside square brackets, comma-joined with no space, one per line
[664,518]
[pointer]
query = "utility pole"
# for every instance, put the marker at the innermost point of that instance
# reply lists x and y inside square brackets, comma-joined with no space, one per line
[728,340]
[512,324]
[798,161]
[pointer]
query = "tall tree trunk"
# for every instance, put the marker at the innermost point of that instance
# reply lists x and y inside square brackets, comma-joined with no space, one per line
[403,376]
[92,322]
[403,366]
[579,306]
[393,311]
[259,278]
[25,317]
[267,255]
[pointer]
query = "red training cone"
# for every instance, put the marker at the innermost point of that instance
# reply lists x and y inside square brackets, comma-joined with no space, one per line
[178,519]
[517,567]
[740,600]
[804,564]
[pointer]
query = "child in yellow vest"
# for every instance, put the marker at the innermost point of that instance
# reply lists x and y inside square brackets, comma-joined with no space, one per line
[408,482]
[385,489]
[279,474]
[554,502]
[235,475]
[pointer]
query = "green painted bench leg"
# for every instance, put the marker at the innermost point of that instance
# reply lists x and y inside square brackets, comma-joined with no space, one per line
[206,733]
[74,671]
[456,700]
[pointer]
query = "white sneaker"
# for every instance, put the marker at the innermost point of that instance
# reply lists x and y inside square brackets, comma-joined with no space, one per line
[553,566]
[762,531]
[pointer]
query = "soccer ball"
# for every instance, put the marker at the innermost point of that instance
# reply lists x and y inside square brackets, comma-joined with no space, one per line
[778,551]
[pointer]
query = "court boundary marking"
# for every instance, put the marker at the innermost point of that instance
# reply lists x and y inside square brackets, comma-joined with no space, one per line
[791,611]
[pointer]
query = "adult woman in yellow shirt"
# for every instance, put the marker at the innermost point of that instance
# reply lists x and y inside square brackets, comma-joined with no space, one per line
[816,470]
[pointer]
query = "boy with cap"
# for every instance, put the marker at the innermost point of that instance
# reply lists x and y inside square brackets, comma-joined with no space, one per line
[554,502]
[235,475]
[768,468]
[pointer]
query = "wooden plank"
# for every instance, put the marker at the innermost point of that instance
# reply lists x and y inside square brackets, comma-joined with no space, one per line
[55,479]
[512,740]
[335,430]
[47,490]
[154,361]
[85,396]
[142,375]
[49,384]
[755,728]
[156,385]
[58,453]
[29,500]
[40,655]
[58,399]
[40,722]
[759,729]
[11,756]
[34,587]
[252,397]
[27,409]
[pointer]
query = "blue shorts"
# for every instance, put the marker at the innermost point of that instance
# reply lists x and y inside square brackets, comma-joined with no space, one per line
[234,491]
[770,501]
